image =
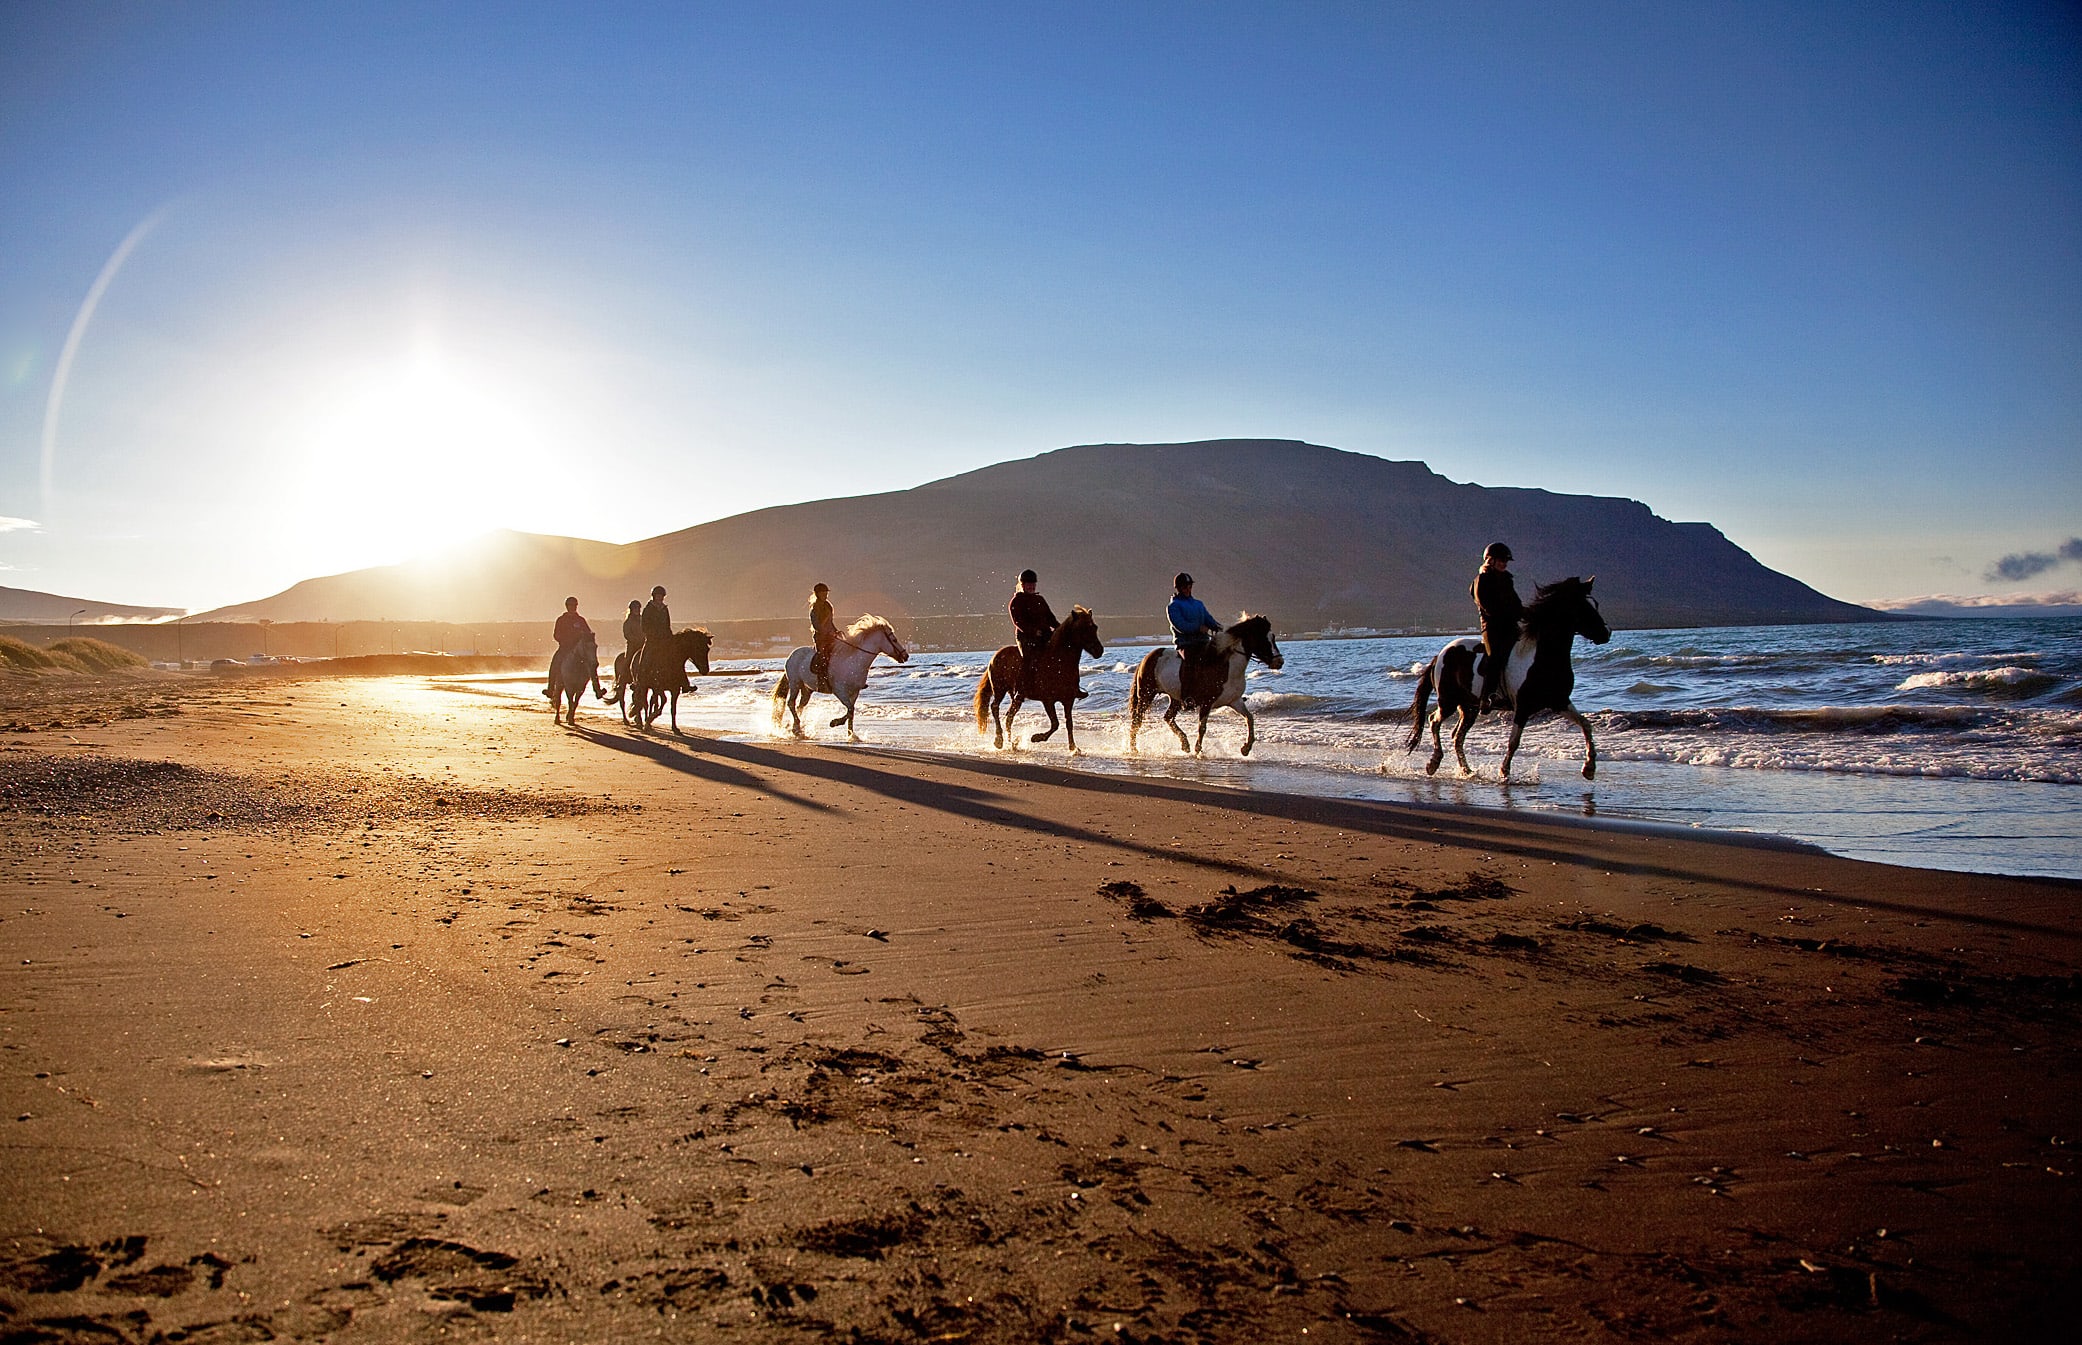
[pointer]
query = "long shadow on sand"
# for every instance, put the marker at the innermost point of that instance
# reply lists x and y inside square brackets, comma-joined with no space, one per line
[680,757]
[1559,840]
[902,786]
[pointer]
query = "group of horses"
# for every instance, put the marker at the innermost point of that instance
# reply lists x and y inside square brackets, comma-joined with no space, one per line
[1538,678]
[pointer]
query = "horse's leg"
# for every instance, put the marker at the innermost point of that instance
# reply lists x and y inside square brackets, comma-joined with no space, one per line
[1468,712]
[997,722]
[1185,744]
[1053,725]
[1511,748]
[1201,737]
[1011,710]
[1590,749]
[675,709]
[1070,723]
[1250,727]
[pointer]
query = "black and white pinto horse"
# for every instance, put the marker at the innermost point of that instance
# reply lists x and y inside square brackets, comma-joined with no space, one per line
[569,675]
[642,692]
[851,656]
[1250,638]
[1537,675]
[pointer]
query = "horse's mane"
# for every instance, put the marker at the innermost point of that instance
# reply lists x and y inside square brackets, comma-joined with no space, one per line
[1080,617]
[1549,598]
[867,623]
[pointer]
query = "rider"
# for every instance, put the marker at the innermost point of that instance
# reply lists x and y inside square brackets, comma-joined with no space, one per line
[1192,627]
[1032,623]
[571,628]
[824,631]
[1496,598]
[656,623]
[632,636]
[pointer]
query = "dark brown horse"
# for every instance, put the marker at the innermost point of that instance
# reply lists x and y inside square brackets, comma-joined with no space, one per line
[1052,681]
[662,673]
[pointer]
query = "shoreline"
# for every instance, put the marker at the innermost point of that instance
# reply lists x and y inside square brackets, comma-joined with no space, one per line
[376,1009]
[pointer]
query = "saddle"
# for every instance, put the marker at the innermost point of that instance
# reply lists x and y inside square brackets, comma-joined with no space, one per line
[1201,673]
[657,667]
[820,672]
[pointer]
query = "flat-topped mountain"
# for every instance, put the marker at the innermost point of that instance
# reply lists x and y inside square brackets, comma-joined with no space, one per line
[26,604]
[1313,536]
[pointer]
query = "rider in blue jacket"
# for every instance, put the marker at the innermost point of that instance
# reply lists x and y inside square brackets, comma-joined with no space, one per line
[1192,630]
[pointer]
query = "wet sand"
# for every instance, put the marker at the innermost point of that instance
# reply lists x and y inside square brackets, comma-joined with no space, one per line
[382,1009]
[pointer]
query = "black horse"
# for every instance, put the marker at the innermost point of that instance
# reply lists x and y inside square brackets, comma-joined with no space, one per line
[1537,674]
[662,673]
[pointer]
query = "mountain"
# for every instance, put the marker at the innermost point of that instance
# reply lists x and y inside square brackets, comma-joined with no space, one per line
[22,604]
[1313,536]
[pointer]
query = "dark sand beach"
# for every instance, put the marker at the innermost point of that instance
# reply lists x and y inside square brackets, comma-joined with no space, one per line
[382,1009]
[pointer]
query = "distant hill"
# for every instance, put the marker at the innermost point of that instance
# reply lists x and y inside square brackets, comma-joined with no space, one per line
[1313,536]
[22,604]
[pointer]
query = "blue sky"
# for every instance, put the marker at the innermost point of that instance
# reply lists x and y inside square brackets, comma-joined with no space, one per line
[396,274]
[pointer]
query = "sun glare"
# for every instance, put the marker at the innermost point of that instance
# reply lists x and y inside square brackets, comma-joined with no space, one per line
[416,456]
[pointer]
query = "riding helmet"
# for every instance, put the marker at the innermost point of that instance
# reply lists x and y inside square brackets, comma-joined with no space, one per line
[1497,551]
[1029,577]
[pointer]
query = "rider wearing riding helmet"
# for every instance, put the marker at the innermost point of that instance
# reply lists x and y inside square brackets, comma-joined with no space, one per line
[656,622]
[1192,630]
[632,631]
[1496,598]
[1033,622]
[824,631]
[570,629]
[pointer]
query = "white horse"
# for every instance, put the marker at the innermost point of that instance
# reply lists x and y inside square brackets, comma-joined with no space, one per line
[855,649]
[568,676]
[1250,638]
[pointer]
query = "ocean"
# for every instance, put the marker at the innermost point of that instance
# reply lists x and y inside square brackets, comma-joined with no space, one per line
[1939,744]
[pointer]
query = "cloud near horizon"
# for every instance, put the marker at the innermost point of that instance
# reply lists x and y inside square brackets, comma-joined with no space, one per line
[19,524]
[1984,602]
[2022,565]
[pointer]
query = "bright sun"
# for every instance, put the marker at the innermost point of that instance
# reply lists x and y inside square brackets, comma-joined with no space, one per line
[414,456]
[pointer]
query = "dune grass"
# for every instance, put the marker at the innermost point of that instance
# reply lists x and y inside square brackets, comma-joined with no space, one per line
[80,654]
[98,655]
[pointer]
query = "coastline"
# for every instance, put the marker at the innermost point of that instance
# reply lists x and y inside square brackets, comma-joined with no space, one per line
[420,1015]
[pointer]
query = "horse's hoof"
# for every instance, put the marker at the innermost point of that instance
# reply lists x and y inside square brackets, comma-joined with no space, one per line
[1590,772]
[1247,749]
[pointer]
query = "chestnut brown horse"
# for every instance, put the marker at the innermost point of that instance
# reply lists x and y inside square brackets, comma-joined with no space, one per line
[1052,682]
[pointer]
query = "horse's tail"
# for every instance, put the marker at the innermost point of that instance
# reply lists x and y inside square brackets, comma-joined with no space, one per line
[1419,703]
[781,690]
[982,702]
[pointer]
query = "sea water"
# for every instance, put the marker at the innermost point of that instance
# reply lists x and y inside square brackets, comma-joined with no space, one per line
[1941,744]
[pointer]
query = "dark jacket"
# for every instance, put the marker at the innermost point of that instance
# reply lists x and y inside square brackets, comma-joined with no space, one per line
[823,629]
[570,627]
[1032,620]
[1496,598]
[632,630]
[657,621]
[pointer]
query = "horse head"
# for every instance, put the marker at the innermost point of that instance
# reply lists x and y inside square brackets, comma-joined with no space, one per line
[1255,634]
[694,646]
[1567,605]
[877,636]
[1081,632]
